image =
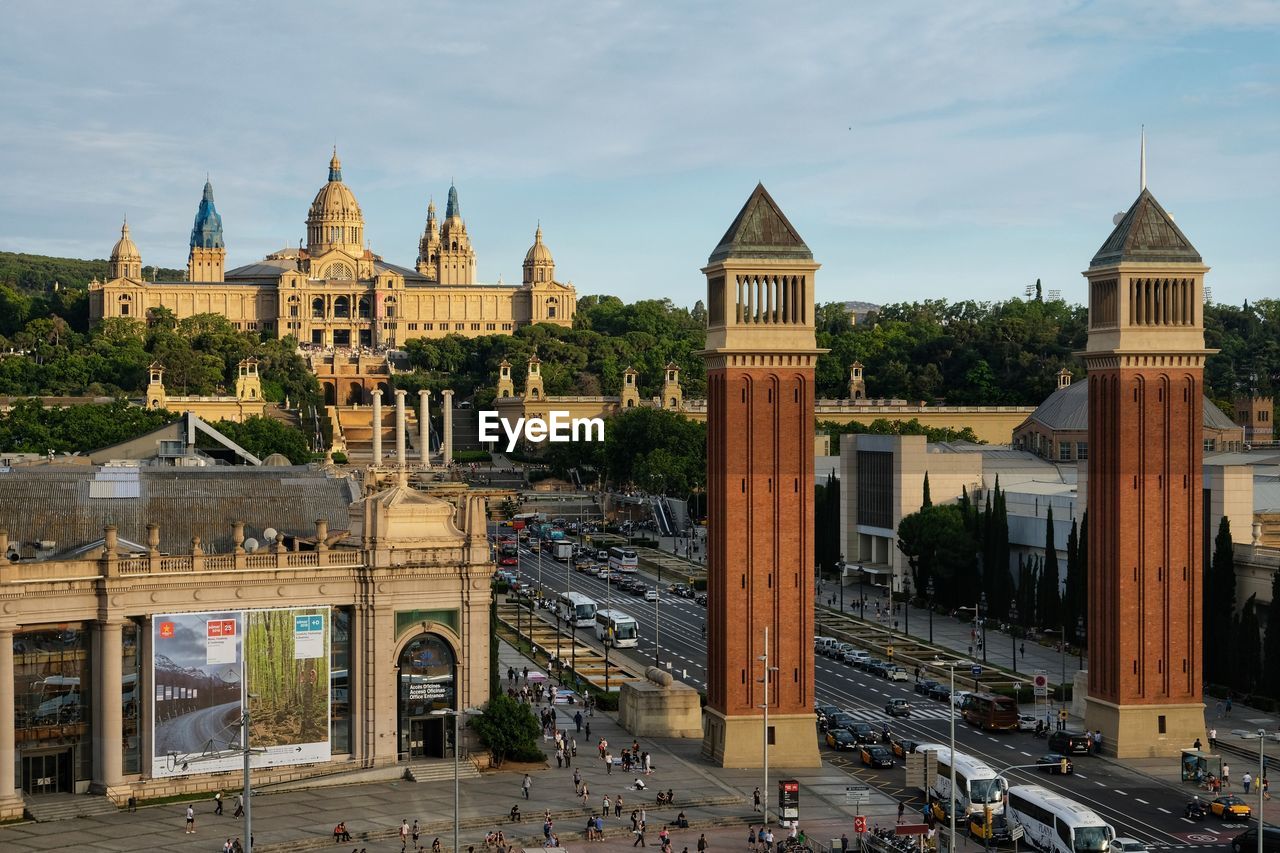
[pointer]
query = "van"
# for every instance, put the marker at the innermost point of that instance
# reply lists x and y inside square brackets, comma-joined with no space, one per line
[820,644]
[1070,743]
[853,656]
[1247,841]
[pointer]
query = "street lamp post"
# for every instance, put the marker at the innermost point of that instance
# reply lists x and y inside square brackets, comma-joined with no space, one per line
[862,591]
[1013,635]
[449,712]
[764,734]
[1062,653]
[906,604]
[1080,639]
[951,806]
[1261,738]
[929,593]
[982,621]
[840,580]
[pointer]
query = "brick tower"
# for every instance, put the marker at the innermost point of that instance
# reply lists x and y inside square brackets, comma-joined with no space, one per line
[760,357]
[1145,360]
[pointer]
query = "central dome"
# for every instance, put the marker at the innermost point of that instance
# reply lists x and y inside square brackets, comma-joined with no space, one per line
[334,220]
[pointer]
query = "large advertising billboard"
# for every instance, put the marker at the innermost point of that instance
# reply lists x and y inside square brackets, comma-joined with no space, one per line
[198,665]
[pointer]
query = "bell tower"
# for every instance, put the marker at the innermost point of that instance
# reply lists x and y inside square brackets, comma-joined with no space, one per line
[533,380]
[857,383]
[1145,360]
[760,357]
[672,396]
[630,397]
[506,388]
[156,396]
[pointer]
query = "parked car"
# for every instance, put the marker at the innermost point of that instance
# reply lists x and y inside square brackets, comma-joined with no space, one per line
[1072,743]
[957,698]
[856,656]
[878,667]
[841,739]
[997,830]
[1055,762]
[1230,808]
[898,708]
[940,692]
[1247,841]
[897,673]
[1026,723]
[923,687]
[901,747]
[875,755]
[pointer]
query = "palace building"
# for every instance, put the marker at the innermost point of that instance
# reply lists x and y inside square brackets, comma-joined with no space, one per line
[333,291]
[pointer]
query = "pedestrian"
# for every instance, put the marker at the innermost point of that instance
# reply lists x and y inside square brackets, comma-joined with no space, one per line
[599,828]
[559,758]
[1247,781]
[191,820]
[239,812]
[586,729]
[568,758]
[1266,788]
[902,807]
[1217,709]
[702,843]
[226,846]
[639,842]
[751,839]
[577,720]
[577,782]
[1213,740]
[844,842]
[404,835]
[648,765]
[526,785]
[1196,745]
[1228,706]
[607,806]
[608,764]
[1226,775]
[768,840]
[617,807]
[417,833]
[526,674]
[755,799]
[1022,650]
[573,747]
[217,804]
[586,793]
[602,746]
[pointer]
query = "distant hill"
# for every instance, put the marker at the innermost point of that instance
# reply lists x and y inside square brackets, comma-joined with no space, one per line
[860,310]
[38,273]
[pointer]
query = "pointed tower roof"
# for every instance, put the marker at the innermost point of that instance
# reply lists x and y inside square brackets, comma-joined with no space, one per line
[761,230]
[206,233]
[1146,234]
[335,166]
[452,208]
[124,248]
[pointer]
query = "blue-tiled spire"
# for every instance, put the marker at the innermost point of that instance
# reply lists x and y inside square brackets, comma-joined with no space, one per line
[453,209]
[335,166]
[207,231]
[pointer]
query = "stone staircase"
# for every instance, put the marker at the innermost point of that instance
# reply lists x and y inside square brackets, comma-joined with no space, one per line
[440,771]
[48,807]
[357,430]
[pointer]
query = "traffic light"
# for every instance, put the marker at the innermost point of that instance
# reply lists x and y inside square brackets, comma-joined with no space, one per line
[1062,767]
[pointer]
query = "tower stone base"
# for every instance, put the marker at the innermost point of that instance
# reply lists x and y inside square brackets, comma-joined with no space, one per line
[1135,731]
[737,742]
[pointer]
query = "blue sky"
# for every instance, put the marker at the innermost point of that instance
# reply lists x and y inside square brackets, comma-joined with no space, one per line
[924,150]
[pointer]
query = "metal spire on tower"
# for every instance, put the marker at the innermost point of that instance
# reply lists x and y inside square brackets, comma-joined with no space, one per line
[1142,162]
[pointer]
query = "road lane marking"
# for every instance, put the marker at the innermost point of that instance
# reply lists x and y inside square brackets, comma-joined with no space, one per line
[1166,811]
[1117,790]
[1138,800]
[1027,754]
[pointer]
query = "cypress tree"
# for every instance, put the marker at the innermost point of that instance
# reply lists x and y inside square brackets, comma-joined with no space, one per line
[1271,644]
[1082,564]
[1246,650]
[1048,606]
[1070,598]
[1002,583]
[1220,610]
[928,501]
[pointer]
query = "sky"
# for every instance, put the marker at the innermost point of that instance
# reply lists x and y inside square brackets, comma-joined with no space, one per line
[927,150]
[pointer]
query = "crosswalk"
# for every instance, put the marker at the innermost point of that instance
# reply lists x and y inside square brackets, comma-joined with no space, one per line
[875,715]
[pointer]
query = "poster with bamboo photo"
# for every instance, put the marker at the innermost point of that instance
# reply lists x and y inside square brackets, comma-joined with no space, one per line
[287,657]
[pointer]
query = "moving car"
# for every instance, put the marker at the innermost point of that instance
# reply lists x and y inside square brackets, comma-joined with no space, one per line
[841,720]
[1127,845]
[651,595]
[603,574]
[1054,762]
[897,708]
[510,561]
[875,755]
[1247,841]
[923,687]
[864,732]
[841,739]
[997,830]
[901,747]
[1026,723]
[957,698]
[940,692]
[1229,808]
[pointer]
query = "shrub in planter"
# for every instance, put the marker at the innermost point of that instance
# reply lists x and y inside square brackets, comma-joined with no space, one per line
[339,458]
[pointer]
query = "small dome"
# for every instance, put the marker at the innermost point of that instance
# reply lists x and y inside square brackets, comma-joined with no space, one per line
[538,252]
[124,249]
[334,201]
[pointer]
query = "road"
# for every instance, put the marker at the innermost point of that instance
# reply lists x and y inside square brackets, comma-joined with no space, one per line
[1136,805]
[190,733]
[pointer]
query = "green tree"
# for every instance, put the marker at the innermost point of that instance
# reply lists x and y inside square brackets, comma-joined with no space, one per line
[1271,643]
[263,436]
[928,500]
[1048,599]
[937,545]
[1246,649]
[509,730]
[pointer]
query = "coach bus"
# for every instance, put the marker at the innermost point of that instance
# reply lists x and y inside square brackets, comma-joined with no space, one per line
[617,629]
[989,711]
[978,786]
[577,609]
[1056,824]
[623,560]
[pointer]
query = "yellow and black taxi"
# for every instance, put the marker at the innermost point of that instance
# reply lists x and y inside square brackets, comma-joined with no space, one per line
[1056,762]
[841,739]
[1229,808]
[875,755]
[901,747]
[989,827]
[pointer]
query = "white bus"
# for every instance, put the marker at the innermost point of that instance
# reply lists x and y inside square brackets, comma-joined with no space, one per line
[617,629]
[1055,824]
[978,787]
[577,609]
[623,560]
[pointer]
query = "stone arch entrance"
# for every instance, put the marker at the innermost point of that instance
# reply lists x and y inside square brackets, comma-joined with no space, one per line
[427,671]
[330,396]
[355,394]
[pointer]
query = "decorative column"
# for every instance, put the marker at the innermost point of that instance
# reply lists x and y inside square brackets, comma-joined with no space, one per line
[10,801]
[377,427]
[146,693]
[424,427]
[400,394]
[448,426]
[107,706]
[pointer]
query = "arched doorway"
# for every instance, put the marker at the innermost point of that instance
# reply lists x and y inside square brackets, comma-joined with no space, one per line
[330,396]
[427,669]
[355,394]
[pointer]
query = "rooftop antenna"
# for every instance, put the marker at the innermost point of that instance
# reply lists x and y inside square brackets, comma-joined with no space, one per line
[1142,161]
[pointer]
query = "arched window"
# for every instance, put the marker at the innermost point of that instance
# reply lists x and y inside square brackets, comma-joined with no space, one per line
[339,272]
[362,308]
[534,393]
[506,393]
[342,307]
[673,403]
[389,306]
[631,404]
[317,308]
